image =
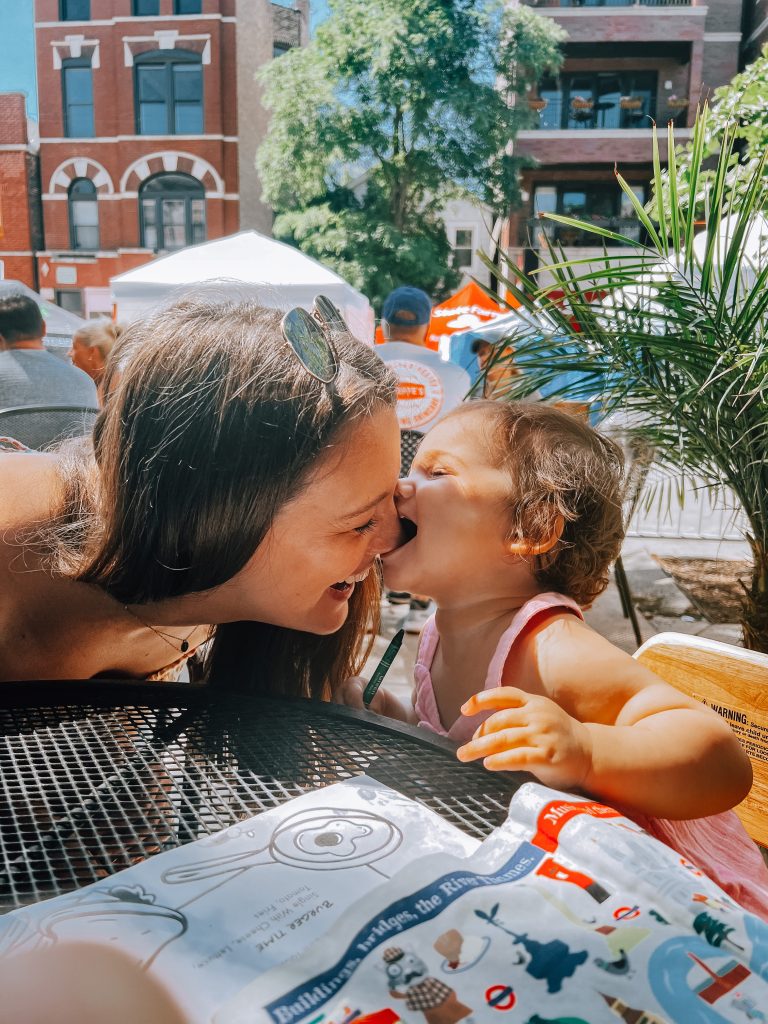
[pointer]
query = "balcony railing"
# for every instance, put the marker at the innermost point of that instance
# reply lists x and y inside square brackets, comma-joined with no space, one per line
[539,229]
[600,113]
[610,3]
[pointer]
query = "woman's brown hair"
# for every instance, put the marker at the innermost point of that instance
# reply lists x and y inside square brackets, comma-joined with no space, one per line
[559,466]
[212,428]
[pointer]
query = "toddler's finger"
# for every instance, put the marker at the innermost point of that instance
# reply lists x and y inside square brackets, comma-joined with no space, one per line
[509,718]
[521,759]
[496,742]
[350,692]
[499,697]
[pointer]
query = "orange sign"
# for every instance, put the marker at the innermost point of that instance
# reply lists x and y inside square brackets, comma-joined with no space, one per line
[410,391]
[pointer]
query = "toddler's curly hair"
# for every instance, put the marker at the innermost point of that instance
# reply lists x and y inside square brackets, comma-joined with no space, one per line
[559,465]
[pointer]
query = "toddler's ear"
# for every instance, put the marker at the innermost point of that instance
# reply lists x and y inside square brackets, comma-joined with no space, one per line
[525,547]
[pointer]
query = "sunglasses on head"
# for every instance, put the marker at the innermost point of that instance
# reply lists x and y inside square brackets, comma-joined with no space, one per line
[309,335]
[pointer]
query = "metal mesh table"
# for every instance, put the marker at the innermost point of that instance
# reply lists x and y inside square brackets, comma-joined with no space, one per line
[95,776]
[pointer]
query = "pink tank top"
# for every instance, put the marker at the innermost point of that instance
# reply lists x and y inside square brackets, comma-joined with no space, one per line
[718,845]
[425,703]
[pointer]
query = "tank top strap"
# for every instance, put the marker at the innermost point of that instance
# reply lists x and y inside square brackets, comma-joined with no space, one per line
[539,608]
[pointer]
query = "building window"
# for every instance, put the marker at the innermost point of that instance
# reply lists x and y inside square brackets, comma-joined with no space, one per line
[598,203]
[74,10]
[169,93]
[599,100]
[187,6]
[70,299]
[280,49]
[145,8]
[83,214]
[172,210]
[463,248]
[77,90]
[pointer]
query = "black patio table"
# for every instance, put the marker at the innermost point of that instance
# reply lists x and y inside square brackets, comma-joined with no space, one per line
[97,775]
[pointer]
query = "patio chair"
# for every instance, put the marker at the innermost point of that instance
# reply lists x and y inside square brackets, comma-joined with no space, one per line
[734,682]
[39,426]
[409,443]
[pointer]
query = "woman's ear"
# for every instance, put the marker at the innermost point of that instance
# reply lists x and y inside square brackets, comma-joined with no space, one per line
[525,547]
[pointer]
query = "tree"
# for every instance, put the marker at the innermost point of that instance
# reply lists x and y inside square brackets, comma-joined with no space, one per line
[390,111]
[676,331]
[738,108]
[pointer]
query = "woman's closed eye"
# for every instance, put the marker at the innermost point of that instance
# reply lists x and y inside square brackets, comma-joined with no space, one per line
[367,527]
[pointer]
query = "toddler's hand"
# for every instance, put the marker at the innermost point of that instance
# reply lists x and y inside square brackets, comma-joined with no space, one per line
[528,733]
[350,693]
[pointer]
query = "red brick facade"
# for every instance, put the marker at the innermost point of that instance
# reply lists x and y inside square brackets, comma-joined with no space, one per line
[118,159]
[19,193]
[691,49]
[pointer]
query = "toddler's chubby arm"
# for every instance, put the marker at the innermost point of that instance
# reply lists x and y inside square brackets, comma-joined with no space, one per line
[604,724]
[350,693]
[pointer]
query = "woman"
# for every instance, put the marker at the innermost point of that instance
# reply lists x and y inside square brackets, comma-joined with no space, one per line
[91,346]
[226,484]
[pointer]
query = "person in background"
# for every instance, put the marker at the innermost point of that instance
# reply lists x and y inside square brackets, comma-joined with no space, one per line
[497,372]
[91,346]
[28,374]
[428,387]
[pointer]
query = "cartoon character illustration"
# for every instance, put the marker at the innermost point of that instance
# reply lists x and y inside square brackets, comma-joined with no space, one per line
[628,1014]
[747,1006]
[460,952]
[552,962]
[536,1019]
[322,839]
[101,913]
[618,966]
[408,978]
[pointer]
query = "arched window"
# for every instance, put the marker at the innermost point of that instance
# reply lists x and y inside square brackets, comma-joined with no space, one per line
[83,214]
[172,212]
[169,93]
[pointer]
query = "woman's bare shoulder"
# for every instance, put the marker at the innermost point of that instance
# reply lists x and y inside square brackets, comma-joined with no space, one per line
[29,487]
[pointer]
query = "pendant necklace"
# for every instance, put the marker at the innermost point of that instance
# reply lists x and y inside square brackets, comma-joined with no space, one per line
[183,641]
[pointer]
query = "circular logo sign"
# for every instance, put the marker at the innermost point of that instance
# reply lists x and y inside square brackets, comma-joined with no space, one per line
[501,997]
[420,393]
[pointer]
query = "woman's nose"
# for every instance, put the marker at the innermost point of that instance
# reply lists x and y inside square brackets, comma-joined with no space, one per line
[389,535]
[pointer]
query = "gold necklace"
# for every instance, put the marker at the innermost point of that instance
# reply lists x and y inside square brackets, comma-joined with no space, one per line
[184,641]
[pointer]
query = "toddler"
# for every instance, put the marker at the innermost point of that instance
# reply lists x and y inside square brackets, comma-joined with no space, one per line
[514,515]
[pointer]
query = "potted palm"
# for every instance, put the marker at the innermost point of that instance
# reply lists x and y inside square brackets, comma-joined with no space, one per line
[673,330]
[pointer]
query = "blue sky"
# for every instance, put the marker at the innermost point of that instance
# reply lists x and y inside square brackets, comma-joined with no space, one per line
[17,46]
[17,50]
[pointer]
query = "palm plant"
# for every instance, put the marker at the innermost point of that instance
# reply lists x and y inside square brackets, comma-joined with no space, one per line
[674,331]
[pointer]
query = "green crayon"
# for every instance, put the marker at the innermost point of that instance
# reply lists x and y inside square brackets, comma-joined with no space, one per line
[383,667]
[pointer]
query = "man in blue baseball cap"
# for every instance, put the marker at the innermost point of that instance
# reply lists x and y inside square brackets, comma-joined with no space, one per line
[428,388]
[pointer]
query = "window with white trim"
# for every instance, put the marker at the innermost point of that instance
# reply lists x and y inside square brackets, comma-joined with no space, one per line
[172,211]
[83,214]
[77,95]
[169,93]
[463,247]
[74,10]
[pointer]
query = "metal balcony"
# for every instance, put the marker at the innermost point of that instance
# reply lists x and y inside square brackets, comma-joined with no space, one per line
[610,3]
[539,229]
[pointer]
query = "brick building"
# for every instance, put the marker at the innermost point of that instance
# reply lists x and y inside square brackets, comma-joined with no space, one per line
[149,121]
[625,65]
[20,229]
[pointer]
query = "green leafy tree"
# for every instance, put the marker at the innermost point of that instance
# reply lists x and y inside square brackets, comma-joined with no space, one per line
[390,111]
[739,109]
[675,331]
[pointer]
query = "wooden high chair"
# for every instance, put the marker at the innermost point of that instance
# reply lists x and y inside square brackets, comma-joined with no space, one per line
[734,682]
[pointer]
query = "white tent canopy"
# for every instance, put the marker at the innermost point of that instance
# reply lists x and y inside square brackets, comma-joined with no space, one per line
[277,275]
